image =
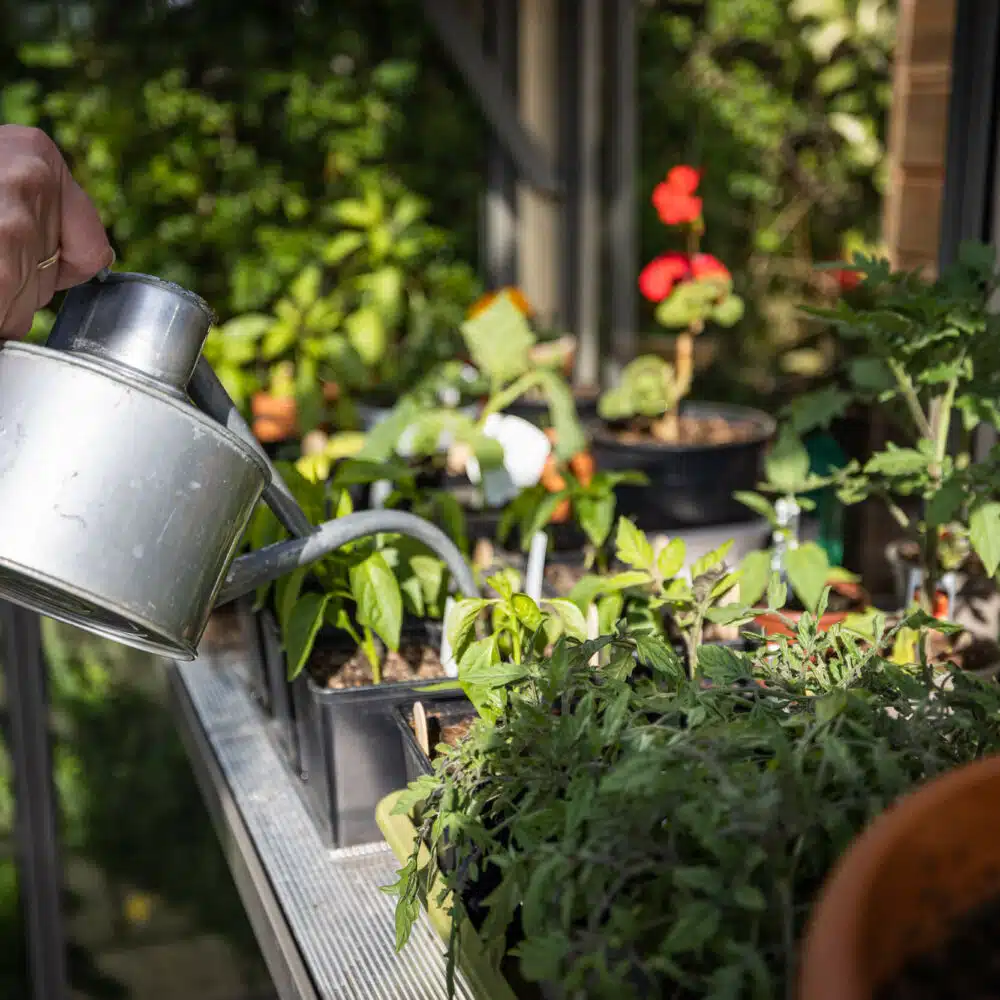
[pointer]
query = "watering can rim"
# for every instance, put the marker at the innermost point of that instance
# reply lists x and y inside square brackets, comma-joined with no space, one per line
[138,277]
[131,378]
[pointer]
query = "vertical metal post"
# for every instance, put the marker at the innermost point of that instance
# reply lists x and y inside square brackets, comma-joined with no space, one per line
[622,249]
[500,223]
[586,172]
[36,818]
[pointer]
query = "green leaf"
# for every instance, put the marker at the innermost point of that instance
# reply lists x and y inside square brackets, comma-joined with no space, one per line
[758,504]
[415,794]
[342,246]
[722,664]
[755,571]
[595,515]
[696,924]
[380,604]
[984,534]
[632,547]
[570,616]
[897,462]
[728,312]
[945,503]
[787,463]
[710,560]
[570,439]
[304,623]
[817,409]
[527,612]
[305,288]
[808,570]
[747,897]
[920,620]
[499,339]
[461,624]
[671,558]
[687,303]
[366,332]
[658,655]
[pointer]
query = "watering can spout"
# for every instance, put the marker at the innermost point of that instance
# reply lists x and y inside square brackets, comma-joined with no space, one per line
[266,565]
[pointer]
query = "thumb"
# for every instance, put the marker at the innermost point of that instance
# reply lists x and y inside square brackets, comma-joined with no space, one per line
[83,242]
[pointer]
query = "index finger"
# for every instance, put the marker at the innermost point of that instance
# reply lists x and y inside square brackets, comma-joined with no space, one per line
[83,243]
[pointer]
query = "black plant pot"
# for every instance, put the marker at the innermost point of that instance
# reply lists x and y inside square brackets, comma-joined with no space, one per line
[448,706]
[689,485]
[279,690]
[350,750]
[252,636]
[485,523]
[536,411]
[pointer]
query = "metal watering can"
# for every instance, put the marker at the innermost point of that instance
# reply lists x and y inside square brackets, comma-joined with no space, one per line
[128,477]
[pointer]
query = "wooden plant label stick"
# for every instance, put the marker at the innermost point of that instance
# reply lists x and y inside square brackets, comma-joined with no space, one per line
[420,727]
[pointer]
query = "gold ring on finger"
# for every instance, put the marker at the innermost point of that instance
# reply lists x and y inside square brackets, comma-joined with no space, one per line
[50,261]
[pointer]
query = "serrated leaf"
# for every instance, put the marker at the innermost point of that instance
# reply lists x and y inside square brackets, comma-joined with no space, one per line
[984,534]
[671,558]
[897,462]
[722,664]
[499,340]
[366,333]
[655,653]
[632,547]
[711,560]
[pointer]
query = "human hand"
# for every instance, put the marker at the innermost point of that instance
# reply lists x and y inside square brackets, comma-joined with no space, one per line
[44,215]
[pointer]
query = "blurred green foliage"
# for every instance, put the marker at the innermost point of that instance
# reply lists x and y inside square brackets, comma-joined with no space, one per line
[224,144]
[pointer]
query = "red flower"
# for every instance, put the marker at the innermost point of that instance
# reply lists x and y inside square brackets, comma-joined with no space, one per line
[674,199]
[704,265]
[848,280]
[658,277]
[684,179]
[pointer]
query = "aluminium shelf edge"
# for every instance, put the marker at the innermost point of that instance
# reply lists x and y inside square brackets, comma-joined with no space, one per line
[325,930]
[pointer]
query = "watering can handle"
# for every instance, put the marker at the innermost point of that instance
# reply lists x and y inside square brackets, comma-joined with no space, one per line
[210,396]
[308,543]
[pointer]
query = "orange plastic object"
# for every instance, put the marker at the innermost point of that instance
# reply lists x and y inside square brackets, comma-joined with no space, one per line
[925,861]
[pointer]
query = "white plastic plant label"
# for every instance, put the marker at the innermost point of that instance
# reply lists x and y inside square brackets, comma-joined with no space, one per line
[447,657]
[525,450]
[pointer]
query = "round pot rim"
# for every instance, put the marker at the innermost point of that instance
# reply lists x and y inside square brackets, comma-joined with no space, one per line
[832,941]
[766,427]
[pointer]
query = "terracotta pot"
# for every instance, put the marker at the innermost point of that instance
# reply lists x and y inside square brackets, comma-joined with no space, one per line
[772,623]
[928,859]
[275,417]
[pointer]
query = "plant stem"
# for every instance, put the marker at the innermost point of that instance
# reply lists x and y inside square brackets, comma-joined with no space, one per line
[501,400]
[371,654]
[912,399]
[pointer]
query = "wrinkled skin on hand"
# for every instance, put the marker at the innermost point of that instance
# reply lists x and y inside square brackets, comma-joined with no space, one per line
[42,209]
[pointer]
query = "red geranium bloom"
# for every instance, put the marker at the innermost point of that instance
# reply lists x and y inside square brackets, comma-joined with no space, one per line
[658,277]
[674,199]
[704,265]
[848,280]
[684,179]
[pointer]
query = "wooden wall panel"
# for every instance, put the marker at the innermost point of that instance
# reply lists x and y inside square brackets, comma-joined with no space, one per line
[918,130]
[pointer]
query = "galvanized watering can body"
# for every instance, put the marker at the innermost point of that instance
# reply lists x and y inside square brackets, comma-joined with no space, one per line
[122,504]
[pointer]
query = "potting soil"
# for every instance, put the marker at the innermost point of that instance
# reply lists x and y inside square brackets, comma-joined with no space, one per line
[335,668]
[696,431]
[966,964]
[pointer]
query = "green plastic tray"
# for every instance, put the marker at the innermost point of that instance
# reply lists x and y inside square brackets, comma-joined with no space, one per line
[484,981]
